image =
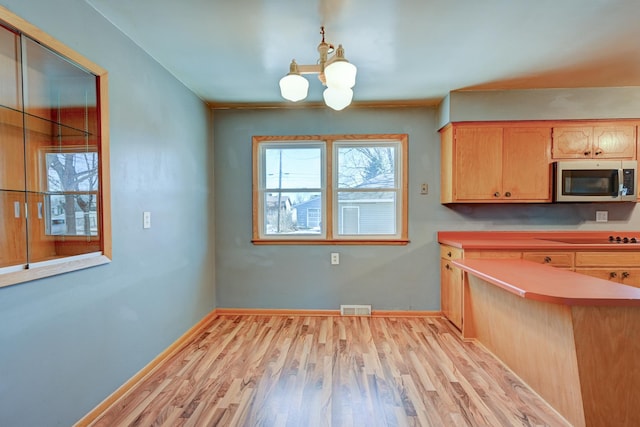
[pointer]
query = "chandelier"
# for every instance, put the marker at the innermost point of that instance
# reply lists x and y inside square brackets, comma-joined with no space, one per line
[336,73]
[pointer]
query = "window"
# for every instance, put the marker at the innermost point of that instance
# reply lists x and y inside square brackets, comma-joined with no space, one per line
[330,189]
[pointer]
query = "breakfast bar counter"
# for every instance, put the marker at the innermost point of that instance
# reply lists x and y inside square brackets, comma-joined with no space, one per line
[572,338]
[534,281]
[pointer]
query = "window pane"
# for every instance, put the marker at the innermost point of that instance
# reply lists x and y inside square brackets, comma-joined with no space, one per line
[299,213]
[59,91]
[366,166]
[289,168]
[362,213]
[72,171]
[72,214]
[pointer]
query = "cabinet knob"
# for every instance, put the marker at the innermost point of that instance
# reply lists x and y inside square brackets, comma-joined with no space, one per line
[625,274]
[447,267]
[508,194]
[547,259]
[449,254]
[598,153]
[496,194]
[586,153]
[613,275]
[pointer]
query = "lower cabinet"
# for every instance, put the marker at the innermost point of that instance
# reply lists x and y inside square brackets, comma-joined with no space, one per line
[451,292]
[619,267]
[627,276]
[451,277]
[13,229]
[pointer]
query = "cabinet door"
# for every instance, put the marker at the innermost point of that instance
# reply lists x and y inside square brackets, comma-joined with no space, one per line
[630,276]
[11,150]
[611,274]
[626,275]
[478,163]
[451,292]
[614,142]
[41,242]
[572,142]
[526,156]
[13,229]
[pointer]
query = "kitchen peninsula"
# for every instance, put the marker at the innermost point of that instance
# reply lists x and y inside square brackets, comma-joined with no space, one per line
[574,338]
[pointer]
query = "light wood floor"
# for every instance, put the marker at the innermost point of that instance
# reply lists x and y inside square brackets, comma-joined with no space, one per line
[330,371]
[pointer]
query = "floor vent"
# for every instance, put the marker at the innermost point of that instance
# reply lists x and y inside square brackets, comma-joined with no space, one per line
[355,310]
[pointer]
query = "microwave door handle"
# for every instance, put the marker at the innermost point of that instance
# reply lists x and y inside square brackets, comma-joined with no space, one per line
[620,182]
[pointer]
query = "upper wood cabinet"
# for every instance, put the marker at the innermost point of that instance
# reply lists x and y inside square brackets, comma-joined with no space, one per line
[495,163]
[602,141]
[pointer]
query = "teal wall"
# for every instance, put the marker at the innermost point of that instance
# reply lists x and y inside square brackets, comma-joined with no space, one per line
[388,277]
[301,277]
[540,104]
[67,342]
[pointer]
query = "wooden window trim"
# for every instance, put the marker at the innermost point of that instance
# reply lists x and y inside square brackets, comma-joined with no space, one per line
[403,221]
[88,260]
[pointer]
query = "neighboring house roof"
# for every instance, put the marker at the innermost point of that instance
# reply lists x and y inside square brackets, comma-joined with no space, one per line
[384,180]
[309,204]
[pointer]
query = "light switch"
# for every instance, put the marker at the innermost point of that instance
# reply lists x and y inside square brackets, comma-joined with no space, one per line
[146,220]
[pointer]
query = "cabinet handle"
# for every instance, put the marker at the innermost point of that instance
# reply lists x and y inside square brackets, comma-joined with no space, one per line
[547,259]
[496,194]
[613,275]
[586,153]
[598,153]
[16,209]
[449,254]
[625,274]
[508,194]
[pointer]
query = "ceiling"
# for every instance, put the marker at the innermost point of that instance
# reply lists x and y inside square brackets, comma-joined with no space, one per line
[232,52]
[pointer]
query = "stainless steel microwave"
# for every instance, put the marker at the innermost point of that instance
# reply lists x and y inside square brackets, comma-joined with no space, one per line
[595,181]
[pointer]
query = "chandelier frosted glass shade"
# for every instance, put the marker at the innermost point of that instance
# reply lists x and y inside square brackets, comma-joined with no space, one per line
[337,98]
[340,73]
[334,72]
[293,86]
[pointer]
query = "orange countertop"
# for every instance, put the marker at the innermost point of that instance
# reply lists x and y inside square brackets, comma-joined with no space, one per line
[541,282]
[537,240]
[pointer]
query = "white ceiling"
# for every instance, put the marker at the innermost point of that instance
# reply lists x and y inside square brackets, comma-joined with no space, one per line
[235,51]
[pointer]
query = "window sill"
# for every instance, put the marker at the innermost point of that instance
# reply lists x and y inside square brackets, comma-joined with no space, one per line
[47,270]
[361,242]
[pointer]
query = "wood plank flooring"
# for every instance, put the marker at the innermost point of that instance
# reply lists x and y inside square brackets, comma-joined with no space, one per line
[330,371]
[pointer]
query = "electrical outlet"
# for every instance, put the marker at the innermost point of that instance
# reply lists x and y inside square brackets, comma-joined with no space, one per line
[335,258]
[424,188]
[602,216]
[146,220]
